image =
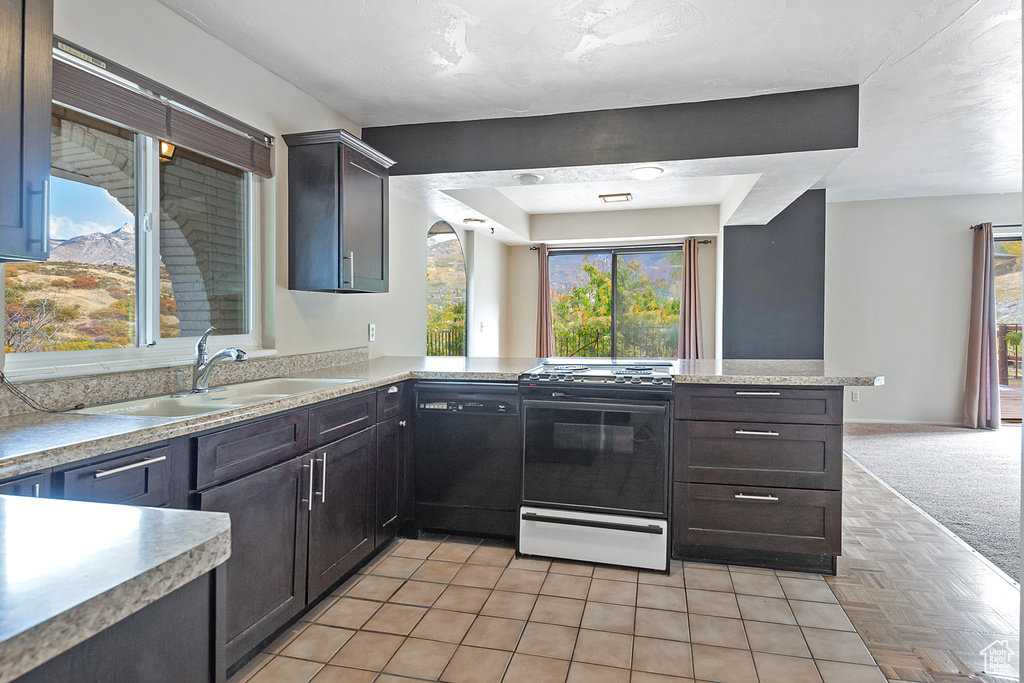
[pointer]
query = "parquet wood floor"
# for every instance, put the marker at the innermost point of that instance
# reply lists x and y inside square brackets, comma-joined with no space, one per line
[925,605]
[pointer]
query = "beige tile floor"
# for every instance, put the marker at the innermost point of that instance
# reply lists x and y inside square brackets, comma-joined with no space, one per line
[460,610]
[907,599]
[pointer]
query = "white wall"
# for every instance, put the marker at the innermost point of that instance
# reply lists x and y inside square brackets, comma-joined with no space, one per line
[897,298]
[521,300]
[640,224]
[146,37]
[487,295]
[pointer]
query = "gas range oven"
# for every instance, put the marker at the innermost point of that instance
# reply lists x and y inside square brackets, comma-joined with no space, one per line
[596,462]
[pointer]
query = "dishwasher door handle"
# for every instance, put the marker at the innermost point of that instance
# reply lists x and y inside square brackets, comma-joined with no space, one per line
[617,526]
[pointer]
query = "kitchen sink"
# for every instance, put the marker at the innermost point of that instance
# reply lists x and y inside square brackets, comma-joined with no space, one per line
[219,398]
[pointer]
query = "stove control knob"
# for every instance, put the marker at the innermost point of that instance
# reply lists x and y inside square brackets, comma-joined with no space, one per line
[656,380]
[620,380]
[569,378]
[535,376]
[635,380]
[552,378]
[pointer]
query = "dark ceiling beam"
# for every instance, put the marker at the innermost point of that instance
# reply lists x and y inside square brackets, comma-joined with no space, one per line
[808,120]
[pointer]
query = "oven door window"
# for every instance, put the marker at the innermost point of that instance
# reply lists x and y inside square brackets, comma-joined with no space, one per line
[596,456]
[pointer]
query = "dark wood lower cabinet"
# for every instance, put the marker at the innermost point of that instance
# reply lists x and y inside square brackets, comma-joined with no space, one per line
[757,518]
[341,520]
[172,640]
[33,485]
[393,447]
[266,573]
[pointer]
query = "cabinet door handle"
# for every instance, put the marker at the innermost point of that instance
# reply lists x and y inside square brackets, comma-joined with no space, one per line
[35,490]
[100,474]
[323,479]
[308,500]
[351,258]
[752,432]
[744,496]
[393,390]
[759,393]
[401,423]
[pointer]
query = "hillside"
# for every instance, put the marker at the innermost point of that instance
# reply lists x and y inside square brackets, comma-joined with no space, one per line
[98,248]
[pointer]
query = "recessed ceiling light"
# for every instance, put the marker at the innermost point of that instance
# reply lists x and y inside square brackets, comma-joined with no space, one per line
[646,172]
[527,178]
[613,198]
[474,220]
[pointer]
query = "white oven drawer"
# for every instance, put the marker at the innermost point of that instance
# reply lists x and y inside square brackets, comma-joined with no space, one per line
[610,539]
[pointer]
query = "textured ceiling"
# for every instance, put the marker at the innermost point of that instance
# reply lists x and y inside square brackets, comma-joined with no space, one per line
[941,79]
[668,189]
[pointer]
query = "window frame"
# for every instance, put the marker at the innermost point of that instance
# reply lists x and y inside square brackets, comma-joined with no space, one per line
[151,350]
[614,252]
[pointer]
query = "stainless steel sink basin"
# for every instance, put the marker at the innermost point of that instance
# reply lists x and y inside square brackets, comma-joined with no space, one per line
[232,396]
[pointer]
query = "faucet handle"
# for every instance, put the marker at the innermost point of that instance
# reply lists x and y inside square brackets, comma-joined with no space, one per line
[201,345]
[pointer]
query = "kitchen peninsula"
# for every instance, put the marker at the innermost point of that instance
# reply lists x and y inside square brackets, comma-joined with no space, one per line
[730,419]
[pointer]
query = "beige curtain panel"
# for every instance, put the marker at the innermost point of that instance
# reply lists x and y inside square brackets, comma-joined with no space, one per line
[981,387]
[545,330]
[691,337]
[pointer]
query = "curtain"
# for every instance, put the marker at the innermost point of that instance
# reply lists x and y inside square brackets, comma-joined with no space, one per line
[545,331]
[691,338]
[981,388]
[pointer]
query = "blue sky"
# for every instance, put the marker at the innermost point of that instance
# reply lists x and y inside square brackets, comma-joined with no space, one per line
[79,209]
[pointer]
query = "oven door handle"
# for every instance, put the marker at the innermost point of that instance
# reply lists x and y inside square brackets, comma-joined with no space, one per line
[624,407]
[648,529]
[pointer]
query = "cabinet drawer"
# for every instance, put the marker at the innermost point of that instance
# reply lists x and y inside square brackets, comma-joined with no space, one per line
[142,478]
[34,485]
[758,518]
[240,450]
[392,400]
[760,404]
[759,454]
[338,419]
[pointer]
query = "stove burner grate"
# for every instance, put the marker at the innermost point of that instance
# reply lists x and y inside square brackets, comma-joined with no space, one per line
[569,368]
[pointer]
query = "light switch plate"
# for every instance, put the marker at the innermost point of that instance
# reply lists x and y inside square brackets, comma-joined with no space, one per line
[373,332]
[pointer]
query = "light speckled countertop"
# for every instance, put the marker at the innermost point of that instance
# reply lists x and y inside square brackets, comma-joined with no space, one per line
[33,442]
[67,576]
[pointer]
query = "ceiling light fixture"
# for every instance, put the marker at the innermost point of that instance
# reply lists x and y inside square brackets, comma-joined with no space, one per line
[527,178]
[477,221]
[646,172]
[615,198]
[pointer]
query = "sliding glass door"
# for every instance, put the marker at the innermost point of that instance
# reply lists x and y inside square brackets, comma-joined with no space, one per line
[616,302]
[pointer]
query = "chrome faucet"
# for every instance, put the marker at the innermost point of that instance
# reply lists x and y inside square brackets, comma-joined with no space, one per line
[203,366]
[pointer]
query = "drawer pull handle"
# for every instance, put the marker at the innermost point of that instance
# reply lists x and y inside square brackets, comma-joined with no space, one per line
[401,423]
[323,480]
[135,465]
[35,490]
[759,393]
[393,390]
[615,526]
[752,432]
[309,499]
[744,496]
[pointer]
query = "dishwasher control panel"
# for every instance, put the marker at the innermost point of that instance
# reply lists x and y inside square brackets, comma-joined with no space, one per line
[468,405]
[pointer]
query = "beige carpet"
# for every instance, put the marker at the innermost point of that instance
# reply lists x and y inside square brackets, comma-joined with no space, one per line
[967,479]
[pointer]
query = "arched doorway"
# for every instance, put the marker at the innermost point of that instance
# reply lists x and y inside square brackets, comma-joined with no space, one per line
[446,292]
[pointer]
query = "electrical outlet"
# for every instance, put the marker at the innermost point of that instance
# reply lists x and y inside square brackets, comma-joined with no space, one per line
[373,332]
[855,396]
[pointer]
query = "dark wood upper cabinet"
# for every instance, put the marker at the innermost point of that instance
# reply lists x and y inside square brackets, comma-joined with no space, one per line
[26,36]
[337,213]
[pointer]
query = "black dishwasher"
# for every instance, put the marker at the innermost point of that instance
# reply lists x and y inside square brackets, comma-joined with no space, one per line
[468,457]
